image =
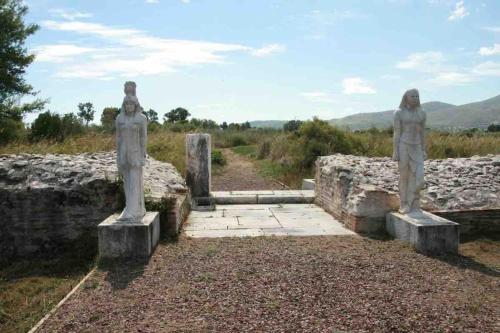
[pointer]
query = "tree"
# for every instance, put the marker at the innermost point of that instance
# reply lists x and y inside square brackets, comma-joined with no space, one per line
[86,112]
[224,126]
[292,125]
[50,125]
[152,115]
[108,117]
[245,125]
[14,58]
[177,115]
[494,128]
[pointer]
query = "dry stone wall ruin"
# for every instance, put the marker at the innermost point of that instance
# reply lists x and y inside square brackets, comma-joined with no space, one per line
[50,203]
[359,191]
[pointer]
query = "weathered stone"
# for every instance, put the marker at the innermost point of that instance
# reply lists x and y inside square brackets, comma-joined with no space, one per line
[429,233]
[198,164]
[308,184]
[359,191]
[128,239]
[61,199]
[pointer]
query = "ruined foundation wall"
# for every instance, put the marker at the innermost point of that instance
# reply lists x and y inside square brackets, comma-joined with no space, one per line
[53,203]
[359,191]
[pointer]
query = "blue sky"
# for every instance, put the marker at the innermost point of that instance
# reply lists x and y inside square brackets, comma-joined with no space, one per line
[256,60]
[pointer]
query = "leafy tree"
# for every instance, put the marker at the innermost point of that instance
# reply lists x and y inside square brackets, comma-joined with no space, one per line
[152,115]
[177,115]
[292,125]
[46,126]
[86,112]
[14,58]
[224,126]
[50,125]
[245,125]
[494,128]
[71,125]
[108,117]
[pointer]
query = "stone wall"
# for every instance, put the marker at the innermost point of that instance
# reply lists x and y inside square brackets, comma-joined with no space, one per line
[359,191]
[51,203]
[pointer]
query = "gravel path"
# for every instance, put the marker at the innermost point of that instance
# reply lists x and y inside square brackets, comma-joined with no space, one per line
[240,174]
[313,284]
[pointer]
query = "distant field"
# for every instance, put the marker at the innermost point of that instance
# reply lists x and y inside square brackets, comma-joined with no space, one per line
[281,155]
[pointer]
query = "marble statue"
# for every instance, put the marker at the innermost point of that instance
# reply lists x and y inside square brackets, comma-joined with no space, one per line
[409,151]
[131,137]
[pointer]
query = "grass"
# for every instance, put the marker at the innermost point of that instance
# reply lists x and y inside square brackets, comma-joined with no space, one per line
[163,145]
[249,150]
[31,288]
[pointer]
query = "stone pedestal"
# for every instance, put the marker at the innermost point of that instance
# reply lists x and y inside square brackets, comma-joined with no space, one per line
[198,164]
[429,233]
[128,239]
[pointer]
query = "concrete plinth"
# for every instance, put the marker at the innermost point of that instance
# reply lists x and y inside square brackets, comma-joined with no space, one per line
[198,164]
[427,232]
[128,239]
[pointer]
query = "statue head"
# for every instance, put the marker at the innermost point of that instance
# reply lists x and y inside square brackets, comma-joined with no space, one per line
[131,105]
[129,88]
[410,100]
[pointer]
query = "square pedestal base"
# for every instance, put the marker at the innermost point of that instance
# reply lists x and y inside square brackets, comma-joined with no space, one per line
[427,232]
[129,239]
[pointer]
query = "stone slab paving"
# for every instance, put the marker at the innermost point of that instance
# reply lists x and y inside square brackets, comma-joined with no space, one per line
[263,197]
[263,220]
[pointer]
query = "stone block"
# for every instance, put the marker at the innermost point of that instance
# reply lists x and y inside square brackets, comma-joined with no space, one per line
[128,239]
[308,184]
[429,233]
[198,164]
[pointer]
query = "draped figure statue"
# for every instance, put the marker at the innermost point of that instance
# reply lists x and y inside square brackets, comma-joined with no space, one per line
[409,151]
[131,138]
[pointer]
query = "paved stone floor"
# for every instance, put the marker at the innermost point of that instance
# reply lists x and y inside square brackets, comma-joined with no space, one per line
[263,220]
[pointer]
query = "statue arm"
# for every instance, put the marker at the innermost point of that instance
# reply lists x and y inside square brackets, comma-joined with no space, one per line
[144,137]
[396,136]
[118,141]
[422,135]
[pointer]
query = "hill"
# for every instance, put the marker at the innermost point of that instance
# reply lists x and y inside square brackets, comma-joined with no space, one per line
[439,115]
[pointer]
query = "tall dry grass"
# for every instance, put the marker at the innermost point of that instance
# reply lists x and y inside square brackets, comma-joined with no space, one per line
[162,145]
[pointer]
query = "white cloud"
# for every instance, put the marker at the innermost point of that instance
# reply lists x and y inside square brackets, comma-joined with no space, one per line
[459,12]
[152,1]
[452,79]
[268,50]
[70,15]
[492,29]
[130,52]
[488,68]
[59,52]
[356,85]
[423,61]
[488,51]
[318,96]
[185,1]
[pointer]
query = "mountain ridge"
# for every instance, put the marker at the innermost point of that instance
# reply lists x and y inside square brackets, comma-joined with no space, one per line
[440,115]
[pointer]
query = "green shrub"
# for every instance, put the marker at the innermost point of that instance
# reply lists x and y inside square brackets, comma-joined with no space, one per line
[218,158]
[263,150]
[10,130]
[52,126]
[245,150]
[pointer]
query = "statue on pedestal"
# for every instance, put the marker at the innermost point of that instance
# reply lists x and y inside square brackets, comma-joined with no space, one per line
[131,138]
[409,151]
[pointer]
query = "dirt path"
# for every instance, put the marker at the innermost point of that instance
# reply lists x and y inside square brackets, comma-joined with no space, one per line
[288,284]
[240,174]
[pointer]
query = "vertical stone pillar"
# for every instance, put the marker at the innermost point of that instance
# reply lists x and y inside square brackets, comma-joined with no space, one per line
[198,164]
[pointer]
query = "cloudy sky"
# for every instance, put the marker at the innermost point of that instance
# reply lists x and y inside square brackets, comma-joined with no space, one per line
[271,59]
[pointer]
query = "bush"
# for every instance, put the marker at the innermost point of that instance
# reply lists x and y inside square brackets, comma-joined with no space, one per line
[51,126]
[10,130]
[218,158]
[263,150]
[237,140]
